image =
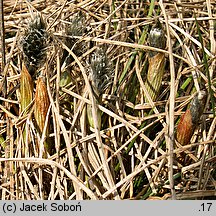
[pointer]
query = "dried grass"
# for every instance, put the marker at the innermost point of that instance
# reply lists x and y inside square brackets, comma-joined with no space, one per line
[133,154]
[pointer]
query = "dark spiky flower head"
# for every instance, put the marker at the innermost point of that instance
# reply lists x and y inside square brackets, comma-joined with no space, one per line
[101,72]
[76,25]
[34,43]
[156,38]
[197,106]
[101,75]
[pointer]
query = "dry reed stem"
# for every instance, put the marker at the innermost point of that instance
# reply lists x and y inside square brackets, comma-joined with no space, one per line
[50,163]
[142,167]
[170,117]
[67,140]
[56,132]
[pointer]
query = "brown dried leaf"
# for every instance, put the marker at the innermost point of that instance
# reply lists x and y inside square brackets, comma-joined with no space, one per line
[190,119]
[185,128]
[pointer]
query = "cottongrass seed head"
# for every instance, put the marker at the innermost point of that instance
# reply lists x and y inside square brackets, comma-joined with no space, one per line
[76,25]
[197,106]
[101,73]
[157,38]
[34,43]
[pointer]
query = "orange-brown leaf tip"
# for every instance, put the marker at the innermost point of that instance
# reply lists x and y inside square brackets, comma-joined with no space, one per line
[185,128]
[41,103]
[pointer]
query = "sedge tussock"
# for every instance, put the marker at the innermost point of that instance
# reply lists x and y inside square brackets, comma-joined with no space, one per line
[121,47]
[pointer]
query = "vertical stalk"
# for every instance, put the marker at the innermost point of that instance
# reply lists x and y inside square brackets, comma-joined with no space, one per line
[171,122]
[3,87]
[2,33]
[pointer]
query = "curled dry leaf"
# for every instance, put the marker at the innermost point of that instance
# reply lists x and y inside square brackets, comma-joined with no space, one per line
[190,119]
[42,103]
[185,128]
[26,88]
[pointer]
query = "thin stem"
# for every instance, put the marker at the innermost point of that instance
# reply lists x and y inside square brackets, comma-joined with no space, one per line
[171,138]
[2,34]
